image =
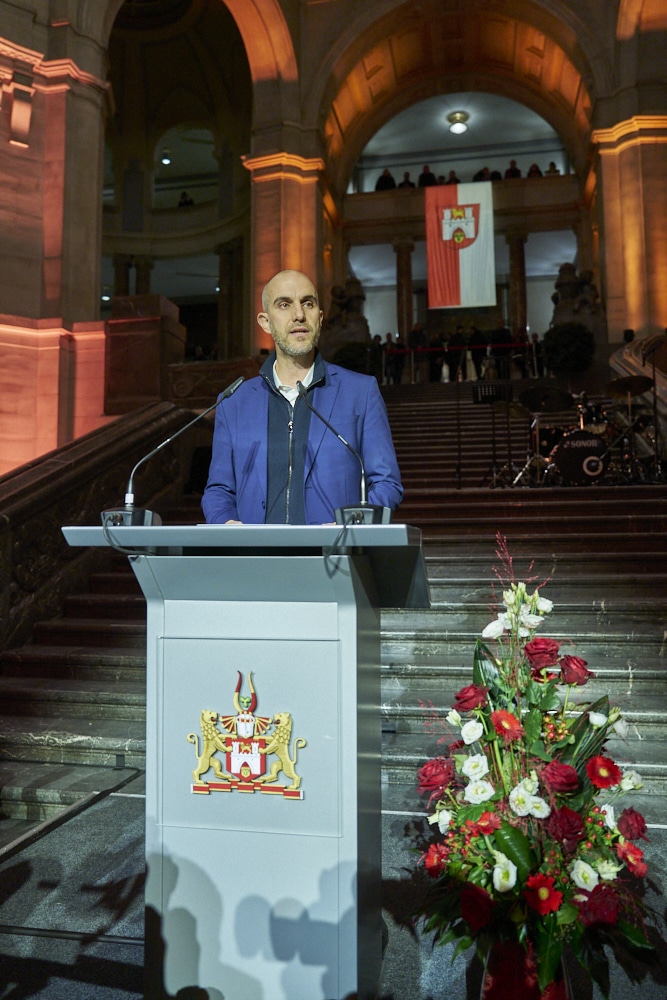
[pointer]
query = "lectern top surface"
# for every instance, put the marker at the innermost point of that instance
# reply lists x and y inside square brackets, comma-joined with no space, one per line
[250,536]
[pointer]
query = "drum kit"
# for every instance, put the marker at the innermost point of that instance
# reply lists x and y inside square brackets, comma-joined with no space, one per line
[598,445]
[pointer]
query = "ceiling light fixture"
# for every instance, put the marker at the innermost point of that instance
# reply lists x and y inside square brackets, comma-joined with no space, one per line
[458,122]
[166,157]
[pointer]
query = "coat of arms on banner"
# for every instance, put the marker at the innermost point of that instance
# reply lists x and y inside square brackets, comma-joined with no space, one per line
[460,225]
[245,741]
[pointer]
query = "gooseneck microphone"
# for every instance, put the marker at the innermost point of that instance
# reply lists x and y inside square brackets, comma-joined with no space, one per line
[131,515]
[364,512]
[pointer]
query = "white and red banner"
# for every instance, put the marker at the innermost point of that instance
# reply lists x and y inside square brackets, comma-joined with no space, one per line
[460,255]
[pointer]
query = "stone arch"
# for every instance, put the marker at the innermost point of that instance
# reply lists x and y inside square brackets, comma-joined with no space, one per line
[413,54]
[272,60]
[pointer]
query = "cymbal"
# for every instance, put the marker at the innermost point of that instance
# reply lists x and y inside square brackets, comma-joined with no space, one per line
[515,410]
[631,385]
[546,399]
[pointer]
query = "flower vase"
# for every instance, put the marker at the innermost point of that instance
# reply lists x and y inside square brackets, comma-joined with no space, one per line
[511,973]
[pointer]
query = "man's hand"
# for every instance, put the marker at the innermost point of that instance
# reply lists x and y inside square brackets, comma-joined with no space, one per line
[233,522]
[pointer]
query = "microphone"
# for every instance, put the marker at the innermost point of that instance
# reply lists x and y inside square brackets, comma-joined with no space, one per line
[364,513]
[131,515]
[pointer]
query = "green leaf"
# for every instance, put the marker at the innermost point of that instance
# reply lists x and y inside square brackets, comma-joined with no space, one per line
[532,724]
[567,914]
[516,846]
[635,935]
[548,951]
[550,701]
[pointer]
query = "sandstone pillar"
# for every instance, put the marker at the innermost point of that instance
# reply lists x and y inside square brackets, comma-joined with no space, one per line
[403,250]
[518,310]
[286,226]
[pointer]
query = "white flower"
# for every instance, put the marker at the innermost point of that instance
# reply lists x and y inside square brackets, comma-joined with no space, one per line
[543,605]
[504,873]
[583,876]
[493,630]
[453,718]
[476,766]
[471,731]
[530,783]
[443,818]
[520,800]
[597,720]
[531,621]
[607,870]
[609,817]
[539,808]
[621,728]
[509,598]
[478,791]
[631,781]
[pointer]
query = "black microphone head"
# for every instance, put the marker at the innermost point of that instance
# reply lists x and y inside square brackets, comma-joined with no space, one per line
[301,388]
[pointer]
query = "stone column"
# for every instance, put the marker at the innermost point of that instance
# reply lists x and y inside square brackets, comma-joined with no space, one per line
[286,224]
[143,266]
[231,342]
[122,262]
[518,309]
[403,250]
[632,171]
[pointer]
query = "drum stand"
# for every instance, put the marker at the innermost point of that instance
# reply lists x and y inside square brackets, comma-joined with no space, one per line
[533,459]
[493,471]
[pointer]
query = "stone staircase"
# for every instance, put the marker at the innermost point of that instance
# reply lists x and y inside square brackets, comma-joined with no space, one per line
[72,716]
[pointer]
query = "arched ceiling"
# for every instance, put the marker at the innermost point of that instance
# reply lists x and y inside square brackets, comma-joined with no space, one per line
[437,48]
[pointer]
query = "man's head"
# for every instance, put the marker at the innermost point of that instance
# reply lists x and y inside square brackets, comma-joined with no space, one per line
[291,314]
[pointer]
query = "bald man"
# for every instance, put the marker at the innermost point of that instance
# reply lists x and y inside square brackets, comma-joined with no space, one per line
[273,461]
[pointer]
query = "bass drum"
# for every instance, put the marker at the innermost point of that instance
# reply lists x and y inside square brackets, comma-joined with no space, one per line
[581,458]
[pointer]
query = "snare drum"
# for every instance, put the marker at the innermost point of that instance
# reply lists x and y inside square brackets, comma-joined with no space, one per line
[581,458]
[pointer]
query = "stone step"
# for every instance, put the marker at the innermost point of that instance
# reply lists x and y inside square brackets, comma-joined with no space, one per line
[600,624]
[127,607]
[114,582]
[105,742]
[646,716]
[91,632]
[110,665]
[36,793]
[58,698]
[403,754]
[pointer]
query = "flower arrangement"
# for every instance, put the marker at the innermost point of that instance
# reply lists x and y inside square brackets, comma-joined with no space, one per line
[526,846]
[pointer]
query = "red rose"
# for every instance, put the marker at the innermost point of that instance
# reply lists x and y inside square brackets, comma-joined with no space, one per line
[542,652]
[603,772]
[560,777]
[567,827]
[435,859]
[599,906]
[633,857]
[632,824]
[435,776]
[573,670]
[541,895]
[476,906]
[469,697]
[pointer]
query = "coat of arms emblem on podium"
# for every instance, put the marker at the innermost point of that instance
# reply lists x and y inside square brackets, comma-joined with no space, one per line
[245,741]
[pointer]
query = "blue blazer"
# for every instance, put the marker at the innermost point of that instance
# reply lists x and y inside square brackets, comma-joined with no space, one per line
[352,403]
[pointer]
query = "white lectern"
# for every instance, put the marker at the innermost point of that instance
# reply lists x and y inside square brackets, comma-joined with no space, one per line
[263,835]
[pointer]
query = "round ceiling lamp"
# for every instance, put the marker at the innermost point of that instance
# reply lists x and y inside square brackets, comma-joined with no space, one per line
[166,157]
[458,122]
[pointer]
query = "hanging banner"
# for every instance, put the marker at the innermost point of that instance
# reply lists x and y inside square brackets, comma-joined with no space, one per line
[460,254]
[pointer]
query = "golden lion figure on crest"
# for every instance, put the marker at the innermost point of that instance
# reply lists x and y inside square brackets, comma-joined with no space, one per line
[212,740]
[279,745]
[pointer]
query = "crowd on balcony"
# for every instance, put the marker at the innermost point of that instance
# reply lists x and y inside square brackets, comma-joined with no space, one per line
[387,182]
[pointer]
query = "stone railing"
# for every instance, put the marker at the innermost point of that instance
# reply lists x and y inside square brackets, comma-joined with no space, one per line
[72,486]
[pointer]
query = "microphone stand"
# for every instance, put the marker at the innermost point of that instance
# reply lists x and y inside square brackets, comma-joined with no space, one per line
[364,512]
[129,515]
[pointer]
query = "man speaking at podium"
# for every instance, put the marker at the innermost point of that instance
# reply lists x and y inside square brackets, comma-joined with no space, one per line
[274,461]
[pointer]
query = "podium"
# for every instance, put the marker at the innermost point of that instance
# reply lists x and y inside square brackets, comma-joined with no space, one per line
[263,832]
